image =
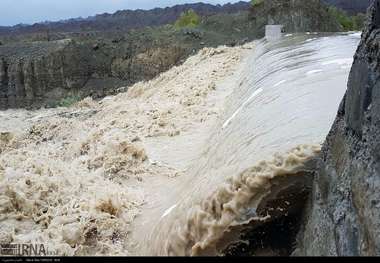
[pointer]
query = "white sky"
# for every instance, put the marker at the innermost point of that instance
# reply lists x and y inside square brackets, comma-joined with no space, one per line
[30,11]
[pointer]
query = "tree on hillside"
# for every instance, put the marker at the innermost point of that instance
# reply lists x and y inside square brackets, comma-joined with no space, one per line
[188,18]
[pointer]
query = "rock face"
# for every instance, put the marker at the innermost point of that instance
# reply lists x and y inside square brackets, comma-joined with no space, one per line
[42,73]
[344,214]
[33,73]
[24,70]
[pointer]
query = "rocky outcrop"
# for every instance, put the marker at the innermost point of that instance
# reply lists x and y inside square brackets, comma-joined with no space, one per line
[344,214]
[42,73]
[23,70]
[33,73]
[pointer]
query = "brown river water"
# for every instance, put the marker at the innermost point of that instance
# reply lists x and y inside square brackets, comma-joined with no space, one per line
[182,164]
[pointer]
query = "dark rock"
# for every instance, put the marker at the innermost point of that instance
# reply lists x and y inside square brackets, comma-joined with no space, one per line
[344,213]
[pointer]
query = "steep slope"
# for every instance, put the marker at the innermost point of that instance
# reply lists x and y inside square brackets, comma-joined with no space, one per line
[344,216]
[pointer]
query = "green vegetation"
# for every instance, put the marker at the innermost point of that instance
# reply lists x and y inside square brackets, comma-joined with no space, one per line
[349,23]
[256,2]
[188,19]
[68,101]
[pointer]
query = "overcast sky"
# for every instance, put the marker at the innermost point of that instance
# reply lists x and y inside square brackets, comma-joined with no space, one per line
[30,11]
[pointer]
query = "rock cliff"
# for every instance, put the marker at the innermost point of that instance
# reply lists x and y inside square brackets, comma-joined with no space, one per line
[32,73]
[42,73]
[344,214]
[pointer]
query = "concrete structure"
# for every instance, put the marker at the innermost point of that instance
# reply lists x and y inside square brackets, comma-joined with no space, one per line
[273,32]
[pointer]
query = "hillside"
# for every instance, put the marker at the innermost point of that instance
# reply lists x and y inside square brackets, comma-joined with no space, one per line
[351,6]
[124,20]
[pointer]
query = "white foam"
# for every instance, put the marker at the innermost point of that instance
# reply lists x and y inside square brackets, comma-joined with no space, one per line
[340,61]
[312,72]
[279,83]
[168,211]
[356,34]
[311,39]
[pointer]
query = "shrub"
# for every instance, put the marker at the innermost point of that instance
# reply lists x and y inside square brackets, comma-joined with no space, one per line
[188,19]
[256,2]
[348,22]
[68,101]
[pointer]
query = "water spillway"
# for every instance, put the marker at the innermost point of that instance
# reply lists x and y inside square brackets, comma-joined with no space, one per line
[255,171]
[213,157]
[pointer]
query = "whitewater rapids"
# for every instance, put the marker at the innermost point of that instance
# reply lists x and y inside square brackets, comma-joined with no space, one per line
[176,165]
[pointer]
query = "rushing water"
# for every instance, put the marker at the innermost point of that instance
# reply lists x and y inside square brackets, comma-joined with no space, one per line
[280,111]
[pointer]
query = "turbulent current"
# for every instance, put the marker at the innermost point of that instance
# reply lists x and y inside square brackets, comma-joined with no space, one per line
[213,157]
[281,109]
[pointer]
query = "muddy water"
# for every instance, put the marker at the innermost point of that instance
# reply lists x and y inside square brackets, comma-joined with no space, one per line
[181,164]
[283,104]
[76,178]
